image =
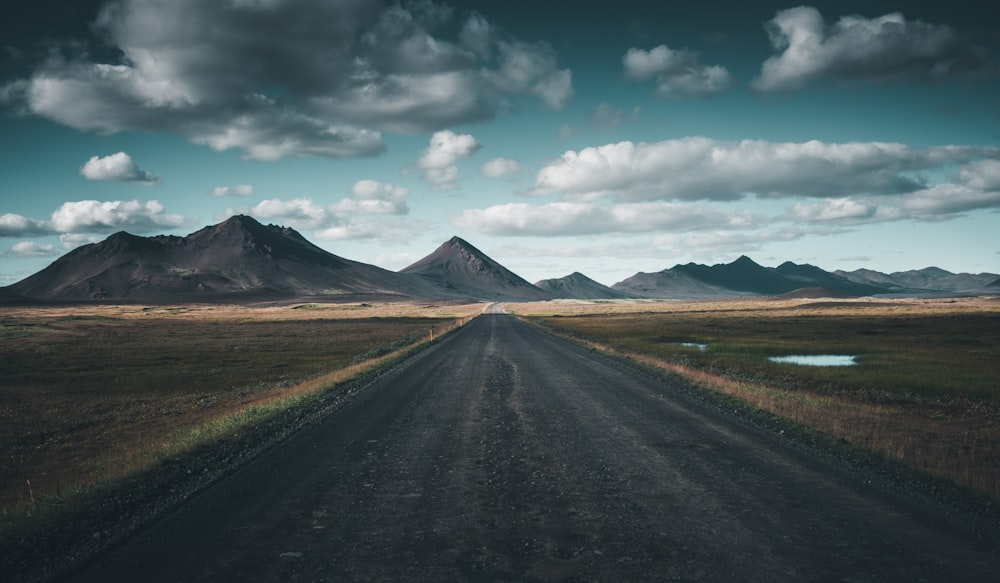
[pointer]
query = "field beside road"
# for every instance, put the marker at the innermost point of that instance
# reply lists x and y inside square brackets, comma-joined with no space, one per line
[925,389]
[94,393]
[504,453]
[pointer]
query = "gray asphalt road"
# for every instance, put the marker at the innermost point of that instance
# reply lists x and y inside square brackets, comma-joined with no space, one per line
[505,454]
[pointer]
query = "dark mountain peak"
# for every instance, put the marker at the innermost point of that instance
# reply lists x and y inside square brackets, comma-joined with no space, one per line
[459,266]
[456,255]
[578,286]
[463,248]
[242,234]
[120,243]
[743,260]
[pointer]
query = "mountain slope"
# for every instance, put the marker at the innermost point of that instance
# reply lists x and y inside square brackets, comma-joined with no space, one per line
[741,275]
[460,270]
[741,278]
[810,276]
[580,287]
[929,279]
[238,256]
[671,284]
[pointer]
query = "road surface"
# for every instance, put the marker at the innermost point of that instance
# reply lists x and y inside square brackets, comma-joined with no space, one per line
[505,454]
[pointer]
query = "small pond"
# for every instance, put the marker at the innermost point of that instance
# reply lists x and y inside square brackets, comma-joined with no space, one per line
[817,359]
[701,347]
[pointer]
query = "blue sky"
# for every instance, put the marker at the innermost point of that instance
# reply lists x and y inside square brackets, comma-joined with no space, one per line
[556,137]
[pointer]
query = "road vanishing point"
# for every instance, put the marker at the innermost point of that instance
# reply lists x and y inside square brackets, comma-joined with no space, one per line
[503,453]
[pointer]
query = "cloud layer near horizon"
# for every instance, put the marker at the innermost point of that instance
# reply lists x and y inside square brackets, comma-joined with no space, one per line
[700,168]
[676,186]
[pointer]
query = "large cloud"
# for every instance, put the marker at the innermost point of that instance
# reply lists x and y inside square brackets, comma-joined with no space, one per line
[886,48]
[291,78]
[698,168]
[587,218]
[678,73]
[117,167]
[13,225]
[92,216]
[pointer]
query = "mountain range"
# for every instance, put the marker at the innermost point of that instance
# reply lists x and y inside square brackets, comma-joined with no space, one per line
[241,259]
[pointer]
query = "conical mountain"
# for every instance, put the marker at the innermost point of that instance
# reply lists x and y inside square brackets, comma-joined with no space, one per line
[238,257]
[461,270]
[580,287]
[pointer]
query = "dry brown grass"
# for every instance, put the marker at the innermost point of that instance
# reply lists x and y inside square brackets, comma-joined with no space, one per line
[926,391]
[90,394]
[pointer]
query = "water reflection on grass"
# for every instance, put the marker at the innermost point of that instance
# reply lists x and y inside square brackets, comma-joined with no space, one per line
[816,359]
[701,347]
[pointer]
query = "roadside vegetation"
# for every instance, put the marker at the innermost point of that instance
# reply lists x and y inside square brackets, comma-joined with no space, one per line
[93,394]
[925,389]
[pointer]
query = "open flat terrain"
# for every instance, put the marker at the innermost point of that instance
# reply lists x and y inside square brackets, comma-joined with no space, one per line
[924,389]
[502,452]
[90,393]
[505,453]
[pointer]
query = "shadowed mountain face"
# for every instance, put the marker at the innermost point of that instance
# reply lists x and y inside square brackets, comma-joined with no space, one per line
[239,257]
[461,270]
[744,277]
[692,280]
[580,287]
[927,279]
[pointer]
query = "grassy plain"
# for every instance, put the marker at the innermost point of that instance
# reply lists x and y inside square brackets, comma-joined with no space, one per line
[925,390]
[93,393]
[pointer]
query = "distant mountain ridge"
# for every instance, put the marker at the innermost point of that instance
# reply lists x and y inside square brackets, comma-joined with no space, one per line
[927,279]
[744,277]
[241,259]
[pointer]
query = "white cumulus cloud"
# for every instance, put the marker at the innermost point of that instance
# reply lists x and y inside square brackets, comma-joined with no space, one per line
[117,167]
[13,225]
[437,164]
[698,168]
[678,73]
[92,216]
